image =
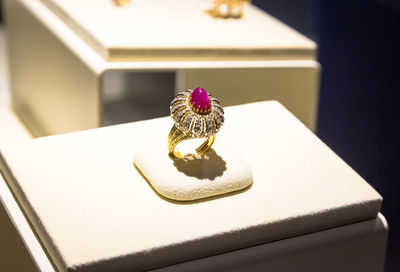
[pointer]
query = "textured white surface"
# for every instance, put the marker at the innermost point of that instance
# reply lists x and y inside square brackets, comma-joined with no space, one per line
[219,171]
[175,29]
[95,212]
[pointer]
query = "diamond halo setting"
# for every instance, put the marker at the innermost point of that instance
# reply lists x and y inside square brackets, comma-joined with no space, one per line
[197,113]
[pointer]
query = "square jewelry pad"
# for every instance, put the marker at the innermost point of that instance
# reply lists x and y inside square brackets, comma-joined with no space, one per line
[93,211]
[220,171]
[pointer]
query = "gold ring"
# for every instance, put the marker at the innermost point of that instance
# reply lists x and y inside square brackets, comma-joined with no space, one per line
[121,3]
[196,114]
[224,8]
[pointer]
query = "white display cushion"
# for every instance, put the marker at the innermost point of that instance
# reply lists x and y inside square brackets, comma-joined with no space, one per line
[217,172]
[94,211]
[176,29]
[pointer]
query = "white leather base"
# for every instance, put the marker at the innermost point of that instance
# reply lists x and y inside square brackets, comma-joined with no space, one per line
[221,170]
[93,211]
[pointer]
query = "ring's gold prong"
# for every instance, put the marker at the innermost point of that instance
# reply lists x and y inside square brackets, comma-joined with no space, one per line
[176,136]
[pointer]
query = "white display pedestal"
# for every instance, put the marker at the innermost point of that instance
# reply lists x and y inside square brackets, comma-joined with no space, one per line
[358,247]
[94,212]
[67,76]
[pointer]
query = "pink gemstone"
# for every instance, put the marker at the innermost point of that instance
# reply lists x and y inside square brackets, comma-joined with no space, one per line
[200,99]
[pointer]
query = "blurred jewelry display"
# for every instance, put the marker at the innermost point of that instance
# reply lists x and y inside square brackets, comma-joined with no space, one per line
[224,8]
[121,3]
[196,114]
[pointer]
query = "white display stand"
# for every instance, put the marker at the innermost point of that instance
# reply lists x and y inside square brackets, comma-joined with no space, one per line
[68,57]
[174,30]
[358,247]
[94,212]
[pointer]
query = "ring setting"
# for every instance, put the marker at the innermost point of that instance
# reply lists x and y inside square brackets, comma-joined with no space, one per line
[196,114]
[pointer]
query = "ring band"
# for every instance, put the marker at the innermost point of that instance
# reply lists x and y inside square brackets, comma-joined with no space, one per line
[196,114]
[176,136]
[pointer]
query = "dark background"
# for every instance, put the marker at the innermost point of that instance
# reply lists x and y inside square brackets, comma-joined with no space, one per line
[359,106]
[359,113]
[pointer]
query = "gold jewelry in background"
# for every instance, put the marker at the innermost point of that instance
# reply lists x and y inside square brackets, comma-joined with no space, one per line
[225,8]
[121,3]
